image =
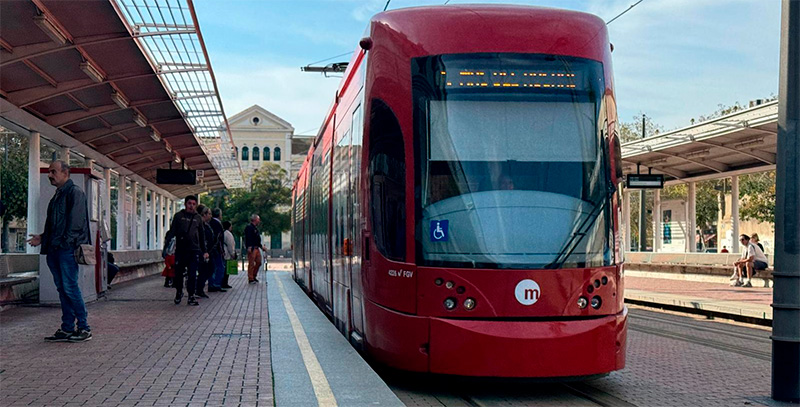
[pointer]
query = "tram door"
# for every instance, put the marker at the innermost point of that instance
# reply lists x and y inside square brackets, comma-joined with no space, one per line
[356,220]
[341,239]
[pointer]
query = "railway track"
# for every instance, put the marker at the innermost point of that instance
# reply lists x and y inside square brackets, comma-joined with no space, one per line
[441,391]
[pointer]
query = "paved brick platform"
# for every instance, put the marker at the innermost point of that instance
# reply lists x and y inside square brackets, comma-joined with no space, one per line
[752,302]
[146,351]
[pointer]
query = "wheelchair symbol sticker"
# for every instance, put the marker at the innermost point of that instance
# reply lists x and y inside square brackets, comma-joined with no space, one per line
[439,230]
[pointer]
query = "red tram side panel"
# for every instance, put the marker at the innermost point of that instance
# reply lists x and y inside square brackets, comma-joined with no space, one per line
[458,211]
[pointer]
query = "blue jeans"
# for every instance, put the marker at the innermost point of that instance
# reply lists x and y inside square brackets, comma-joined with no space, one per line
[65,274]
[219,271]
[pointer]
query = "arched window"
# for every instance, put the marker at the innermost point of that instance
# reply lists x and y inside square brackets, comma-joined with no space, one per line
[277,154]
[266,153]
[245,155]
[255,154]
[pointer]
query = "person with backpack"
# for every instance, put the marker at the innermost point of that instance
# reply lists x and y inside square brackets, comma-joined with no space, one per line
[190,248]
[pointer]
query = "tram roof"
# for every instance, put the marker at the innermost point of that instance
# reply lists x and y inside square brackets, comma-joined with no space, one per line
[125,82]
[737,143]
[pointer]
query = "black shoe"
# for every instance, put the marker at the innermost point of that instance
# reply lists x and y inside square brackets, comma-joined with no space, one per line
[226,286]
[59,336]
[192,301]
[213,289]
[81,335]
[201,294]
[178,297]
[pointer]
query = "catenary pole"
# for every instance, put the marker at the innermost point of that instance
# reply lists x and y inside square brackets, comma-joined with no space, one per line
[786,294]
[642,207]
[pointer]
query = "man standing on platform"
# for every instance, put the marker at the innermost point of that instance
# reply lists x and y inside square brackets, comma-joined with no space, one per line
[252,241]
[190,246]
[215,251]
[65,229]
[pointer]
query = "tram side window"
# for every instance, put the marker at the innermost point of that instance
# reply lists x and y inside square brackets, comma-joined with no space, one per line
[387,174]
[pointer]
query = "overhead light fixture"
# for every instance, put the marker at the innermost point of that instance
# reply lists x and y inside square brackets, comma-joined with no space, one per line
[120,100]
[155,135]
[698,153]
[92,72]
[138,119]
[168,146]
[50,29]
[750,143]
[177,158]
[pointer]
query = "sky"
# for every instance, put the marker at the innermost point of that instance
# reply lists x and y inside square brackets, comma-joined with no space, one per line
[673,60]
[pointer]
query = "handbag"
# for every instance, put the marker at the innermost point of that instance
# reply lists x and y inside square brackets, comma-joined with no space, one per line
[231,267]
[85,254]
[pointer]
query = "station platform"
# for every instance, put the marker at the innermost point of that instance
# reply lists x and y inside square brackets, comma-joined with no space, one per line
[712,296]
[256,345]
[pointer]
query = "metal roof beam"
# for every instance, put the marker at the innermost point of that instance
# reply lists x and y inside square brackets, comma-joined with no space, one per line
[42,74]
[24,52]
[27,97]
[710,164]
[127,146]
[763,156]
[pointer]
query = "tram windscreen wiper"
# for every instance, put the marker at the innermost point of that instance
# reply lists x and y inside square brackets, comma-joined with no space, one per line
[579,234]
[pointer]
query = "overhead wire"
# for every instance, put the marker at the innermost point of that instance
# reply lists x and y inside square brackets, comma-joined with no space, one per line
[626,10]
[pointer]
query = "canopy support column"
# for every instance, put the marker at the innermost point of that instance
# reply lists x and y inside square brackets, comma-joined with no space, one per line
[735,247]
[691,222]
[34,149]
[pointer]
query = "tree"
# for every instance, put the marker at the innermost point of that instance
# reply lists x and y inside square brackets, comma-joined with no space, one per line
[757,196]
[268,197]
[14,179]
[629,131]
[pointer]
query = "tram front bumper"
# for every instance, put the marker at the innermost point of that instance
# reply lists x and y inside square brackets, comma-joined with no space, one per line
[528,348]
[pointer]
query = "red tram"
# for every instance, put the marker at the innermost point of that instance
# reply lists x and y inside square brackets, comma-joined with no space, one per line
[457,212]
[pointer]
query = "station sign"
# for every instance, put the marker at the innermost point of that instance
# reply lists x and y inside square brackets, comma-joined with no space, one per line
[645,181]
[176,177]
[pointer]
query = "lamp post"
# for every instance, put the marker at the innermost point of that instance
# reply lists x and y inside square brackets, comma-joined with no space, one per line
[786,294]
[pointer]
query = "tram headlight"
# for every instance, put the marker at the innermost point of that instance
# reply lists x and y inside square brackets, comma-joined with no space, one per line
[469,304]
[582,302]
[450,303]
[604,280]
[449,284]
[596,302]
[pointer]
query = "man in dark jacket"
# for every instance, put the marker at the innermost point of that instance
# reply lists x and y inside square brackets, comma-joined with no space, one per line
[215,251]
[190,246]
[65,229]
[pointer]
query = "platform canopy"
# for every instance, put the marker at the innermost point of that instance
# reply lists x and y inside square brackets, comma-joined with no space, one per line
[738,143]
[128,79]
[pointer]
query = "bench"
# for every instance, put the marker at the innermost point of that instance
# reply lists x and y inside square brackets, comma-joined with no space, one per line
[716,264]
[19,275]
[135,264]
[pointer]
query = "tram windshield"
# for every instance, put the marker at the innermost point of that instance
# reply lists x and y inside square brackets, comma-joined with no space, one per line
[510,168]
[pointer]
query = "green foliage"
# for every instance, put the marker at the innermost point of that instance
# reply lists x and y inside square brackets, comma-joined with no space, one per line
[723,110]
[629,131]
[14,175]
[757,196]
[268,197]
[13,179]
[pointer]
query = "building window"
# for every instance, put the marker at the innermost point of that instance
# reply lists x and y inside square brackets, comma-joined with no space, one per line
[245,154]
[277,154]
[256,120]
[255,154]
[266,153]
